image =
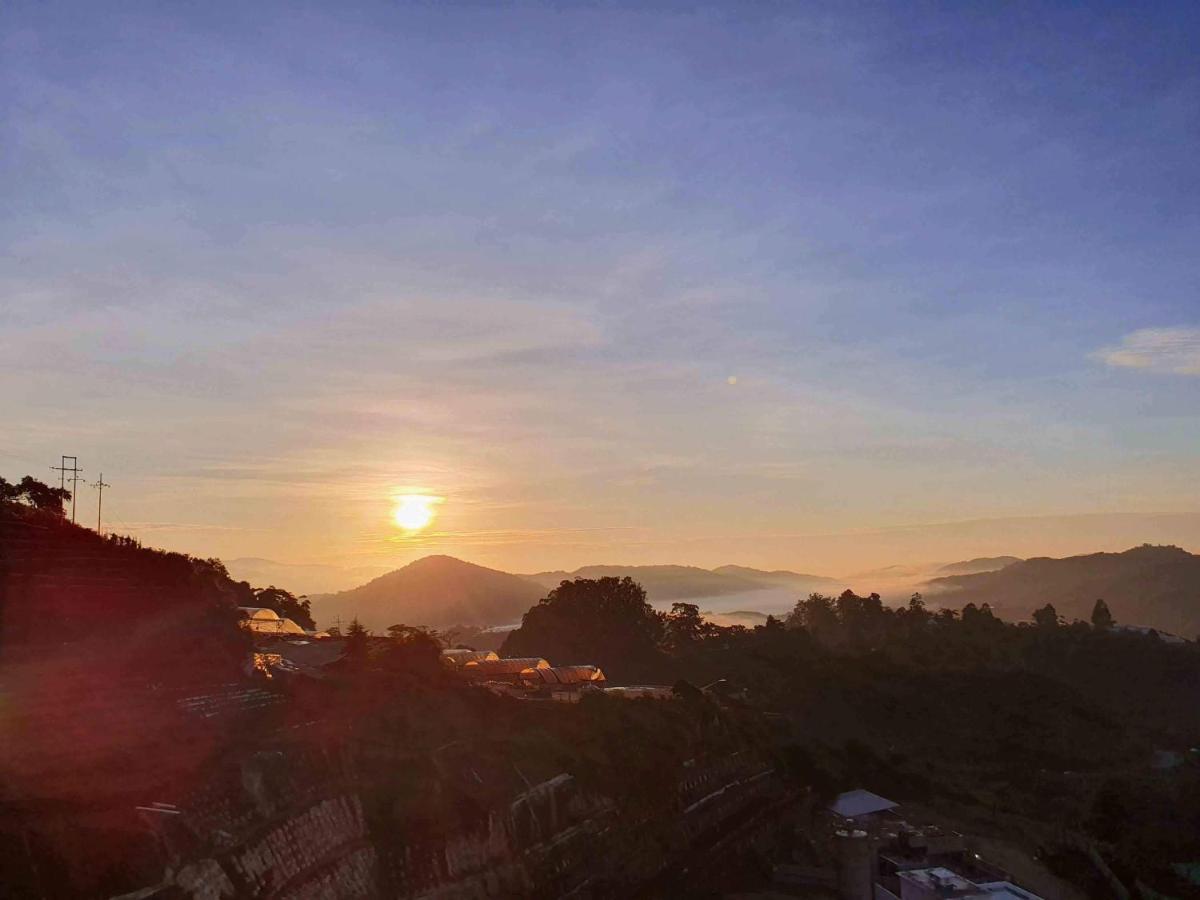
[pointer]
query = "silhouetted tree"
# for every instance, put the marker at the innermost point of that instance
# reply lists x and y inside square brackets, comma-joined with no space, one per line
[413,649]
[683,625]
[287,604]
[816,614]
[35,493]
[605,621]
[357,639]
[1046,617]
[1101,617]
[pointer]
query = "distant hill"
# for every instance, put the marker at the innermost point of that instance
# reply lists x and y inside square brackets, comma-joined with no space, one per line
[1157,587]
[437,591]
[978,565]
[798,581]
[664,584]
[300,578]
[747,618]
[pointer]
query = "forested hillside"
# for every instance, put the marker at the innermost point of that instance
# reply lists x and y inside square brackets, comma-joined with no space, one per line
[1157,587]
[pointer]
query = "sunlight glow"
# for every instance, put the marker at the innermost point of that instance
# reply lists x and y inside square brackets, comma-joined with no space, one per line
[414,512]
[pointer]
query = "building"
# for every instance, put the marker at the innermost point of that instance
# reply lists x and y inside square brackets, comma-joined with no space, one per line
[288,656]
[861,806]
[461,656]
[945,884]
[642,692]
[511,671]
[261,620]
[556,680]
[879,856]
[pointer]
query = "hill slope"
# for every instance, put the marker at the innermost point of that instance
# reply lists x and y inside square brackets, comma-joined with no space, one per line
[979,565]
[437,591]
[664,584]
[304,578]
[800,582]
[1154,586]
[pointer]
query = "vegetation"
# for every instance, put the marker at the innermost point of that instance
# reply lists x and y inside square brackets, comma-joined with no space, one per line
[1051,724]
[954,707]
[34,493]
[1151,586]
[605,621]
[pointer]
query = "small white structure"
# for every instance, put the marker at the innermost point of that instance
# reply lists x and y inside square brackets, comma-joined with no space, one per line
[1165,636]
[939,883]
[642,692]
[261,620]
[860,803]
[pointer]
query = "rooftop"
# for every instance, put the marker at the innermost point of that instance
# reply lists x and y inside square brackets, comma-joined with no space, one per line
[860,803]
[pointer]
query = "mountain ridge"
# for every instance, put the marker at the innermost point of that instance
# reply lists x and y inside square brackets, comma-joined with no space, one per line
[436,591]
[1152,586]
[665,583]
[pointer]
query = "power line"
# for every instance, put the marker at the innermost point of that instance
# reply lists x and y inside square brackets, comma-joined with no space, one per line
[62,478]
[100,486]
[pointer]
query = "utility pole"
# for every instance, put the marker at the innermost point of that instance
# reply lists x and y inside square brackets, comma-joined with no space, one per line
[62,470]
[100,486]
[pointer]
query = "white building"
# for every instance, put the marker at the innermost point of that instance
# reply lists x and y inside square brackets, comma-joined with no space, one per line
[261,620]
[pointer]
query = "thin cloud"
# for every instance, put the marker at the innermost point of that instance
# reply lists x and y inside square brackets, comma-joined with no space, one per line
[1171,350]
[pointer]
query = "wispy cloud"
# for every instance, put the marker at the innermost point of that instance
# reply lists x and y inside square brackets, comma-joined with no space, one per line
[1173,350]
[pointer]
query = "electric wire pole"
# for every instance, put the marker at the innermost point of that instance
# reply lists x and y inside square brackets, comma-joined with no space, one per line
[100,486]
[62,470]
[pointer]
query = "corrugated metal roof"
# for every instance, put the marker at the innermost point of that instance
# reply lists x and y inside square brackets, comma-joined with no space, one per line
[513,666]
[860,803]
[261,613]
[566,675]
[460,657]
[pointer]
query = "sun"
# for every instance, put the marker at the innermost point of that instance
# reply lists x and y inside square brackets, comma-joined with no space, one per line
[413,512]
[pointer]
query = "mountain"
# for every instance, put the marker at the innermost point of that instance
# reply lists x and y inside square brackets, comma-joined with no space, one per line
[300,578]
[438,591]
[800,582]
[978,565]
[664,584]
[747,618]
[1153,586]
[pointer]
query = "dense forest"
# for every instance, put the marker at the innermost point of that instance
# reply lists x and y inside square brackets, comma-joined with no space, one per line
[1051,723]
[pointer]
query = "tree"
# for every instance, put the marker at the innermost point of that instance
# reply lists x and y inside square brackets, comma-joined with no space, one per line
[357,639]
[684,625]
[1046,617]
[287,604]
[413,650]
[602,621]
[816,615]
[1102,619]
[36,494]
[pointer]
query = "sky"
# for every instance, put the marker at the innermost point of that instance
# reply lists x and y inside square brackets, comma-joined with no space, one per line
[823,287]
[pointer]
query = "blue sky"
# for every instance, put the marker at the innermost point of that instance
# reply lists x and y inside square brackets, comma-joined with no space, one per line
[268,265]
